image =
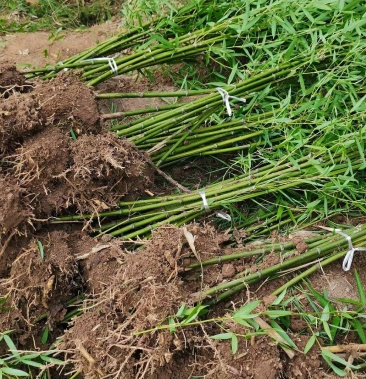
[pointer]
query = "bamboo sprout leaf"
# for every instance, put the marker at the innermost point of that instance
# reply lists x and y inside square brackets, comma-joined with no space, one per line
[222,336]
[14,372]
[40,249]
[309,344]
[360,289]
[234,343]
[245,310]
[279,298]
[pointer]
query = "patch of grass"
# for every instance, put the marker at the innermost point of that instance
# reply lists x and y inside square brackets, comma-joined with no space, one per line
[23,16]
[16,363]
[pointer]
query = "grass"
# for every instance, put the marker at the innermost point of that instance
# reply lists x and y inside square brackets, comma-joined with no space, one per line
[23,16]
[16,363]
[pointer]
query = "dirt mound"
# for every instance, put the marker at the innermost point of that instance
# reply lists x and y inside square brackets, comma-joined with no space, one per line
[44,171]
[142,293]
[91,173]
[13,210]
[105,169]
[11,81]
[43,278]
[38,166]
[64,101]
[67,102]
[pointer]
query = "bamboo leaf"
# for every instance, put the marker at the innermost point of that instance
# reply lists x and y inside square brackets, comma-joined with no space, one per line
[234,343]
[283,334]
[10,344]
[240,321]
[309,344]
[222,336]
[359,329]
[280,297]
[327,330]
[360,289]
[48,359]
[277,313]
[181,310]
[325,314]
[14,372]
[245,310]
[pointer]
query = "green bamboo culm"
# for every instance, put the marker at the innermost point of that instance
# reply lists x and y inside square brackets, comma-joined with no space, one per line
[323,254]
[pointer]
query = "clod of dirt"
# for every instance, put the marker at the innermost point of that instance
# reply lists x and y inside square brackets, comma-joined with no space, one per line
[68,102]
[260,360]
[38,166]
[43,284]
[305,365]
[104,170]
[11,80]
[19,117]
[89,174]
[13,210]
[99,265]
[64,101]
[143,292]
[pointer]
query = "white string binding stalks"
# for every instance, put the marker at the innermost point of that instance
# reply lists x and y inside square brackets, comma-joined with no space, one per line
[347,261]
[204,200]
[226,97]
[112,63]
[223,215]
[220,214]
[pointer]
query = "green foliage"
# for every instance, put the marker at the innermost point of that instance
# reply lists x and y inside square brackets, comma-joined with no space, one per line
[40,249]
[16,363]
[187,315]
[53,14]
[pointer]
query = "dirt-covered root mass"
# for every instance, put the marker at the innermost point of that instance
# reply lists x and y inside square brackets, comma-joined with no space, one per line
[131,297]
[45,171]
[141,291]
[11,81]
[63,102]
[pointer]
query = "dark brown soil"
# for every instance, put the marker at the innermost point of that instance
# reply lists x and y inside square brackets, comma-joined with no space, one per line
[11,81]
[63,102]
[130,291]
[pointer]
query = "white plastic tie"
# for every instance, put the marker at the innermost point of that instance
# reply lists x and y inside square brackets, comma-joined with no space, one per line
[61,64]
[223,215]
[348,259]
[204,200]
[226,97]
[112,63]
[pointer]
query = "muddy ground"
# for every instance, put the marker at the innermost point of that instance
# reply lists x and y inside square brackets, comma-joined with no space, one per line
[44,172]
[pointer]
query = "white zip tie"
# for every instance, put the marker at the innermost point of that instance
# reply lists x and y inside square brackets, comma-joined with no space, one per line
[223,215]
[347,261]
[112,63]
[205,203]
[226,97]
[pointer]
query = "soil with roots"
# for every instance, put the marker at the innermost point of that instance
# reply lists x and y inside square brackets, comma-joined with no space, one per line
[108,306]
